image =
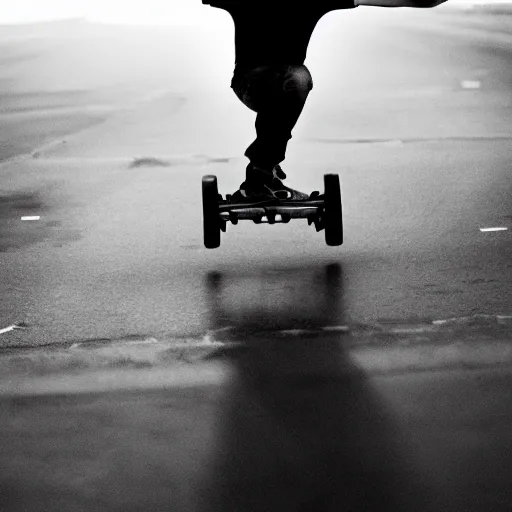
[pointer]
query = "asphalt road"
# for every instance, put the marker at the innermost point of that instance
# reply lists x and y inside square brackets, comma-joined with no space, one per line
[412,109]
[424,164]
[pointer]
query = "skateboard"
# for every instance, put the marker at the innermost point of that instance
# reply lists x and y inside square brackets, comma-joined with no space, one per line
[324,211]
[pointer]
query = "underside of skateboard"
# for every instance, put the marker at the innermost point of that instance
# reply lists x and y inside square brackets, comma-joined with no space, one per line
[324,211]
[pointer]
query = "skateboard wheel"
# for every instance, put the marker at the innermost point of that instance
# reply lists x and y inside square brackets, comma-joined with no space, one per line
[332,218]
[233,217]
[211,218]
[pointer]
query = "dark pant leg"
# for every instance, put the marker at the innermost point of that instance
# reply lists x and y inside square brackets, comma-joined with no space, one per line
[278,94]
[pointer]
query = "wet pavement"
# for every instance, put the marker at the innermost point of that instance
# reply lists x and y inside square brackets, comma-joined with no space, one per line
[264,412]
[140,371]
[273,422]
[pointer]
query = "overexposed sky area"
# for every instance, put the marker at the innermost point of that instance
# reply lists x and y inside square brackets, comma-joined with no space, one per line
[127,11]
[107,11]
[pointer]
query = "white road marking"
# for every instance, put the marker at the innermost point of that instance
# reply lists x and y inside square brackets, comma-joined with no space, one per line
[470,84]
[8,329]
[486,230]
[31,218]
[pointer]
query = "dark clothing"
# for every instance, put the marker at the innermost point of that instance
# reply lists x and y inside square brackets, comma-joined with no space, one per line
[276,33]
[280,38]
[271,42]
[278,94]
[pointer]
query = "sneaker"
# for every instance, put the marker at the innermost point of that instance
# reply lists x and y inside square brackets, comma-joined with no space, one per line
[261,184]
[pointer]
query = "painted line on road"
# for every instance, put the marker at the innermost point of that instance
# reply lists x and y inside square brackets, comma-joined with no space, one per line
[11,328]
[471,84]
[35,217]
[487,230]
[7,329]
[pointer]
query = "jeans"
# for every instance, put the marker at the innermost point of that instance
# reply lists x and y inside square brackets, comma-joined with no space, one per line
[277,93]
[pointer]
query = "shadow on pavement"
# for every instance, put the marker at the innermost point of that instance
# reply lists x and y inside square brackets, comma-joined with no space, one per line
[300,427]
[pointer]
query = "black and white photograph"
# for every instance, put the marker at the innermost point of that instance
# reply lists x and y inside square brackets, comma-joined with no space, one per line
[255,255]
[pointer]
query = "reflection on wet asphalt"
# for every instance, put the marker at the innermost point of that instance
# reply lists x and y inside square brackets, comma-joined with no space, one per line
[277,421]
[300,427]
[286,298]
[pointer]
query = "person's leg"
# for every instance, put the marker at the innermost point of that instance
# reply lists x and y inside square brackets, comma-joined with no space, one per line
[278,95]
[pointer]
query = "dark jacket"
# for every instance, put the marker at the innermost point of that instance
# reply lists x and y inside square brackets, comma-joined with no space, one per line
[275,31]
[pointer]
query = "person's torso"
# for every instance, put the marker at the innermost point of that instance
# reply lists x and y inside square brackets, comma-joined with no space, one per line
[270,35]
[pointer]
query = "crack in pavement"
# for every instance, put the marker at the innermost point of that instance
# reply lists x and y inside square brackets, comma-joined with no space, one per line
[412,140]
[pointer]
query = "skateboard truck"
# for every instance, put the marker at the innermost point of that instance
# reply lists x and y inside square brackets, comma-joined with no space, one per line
[323,211]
